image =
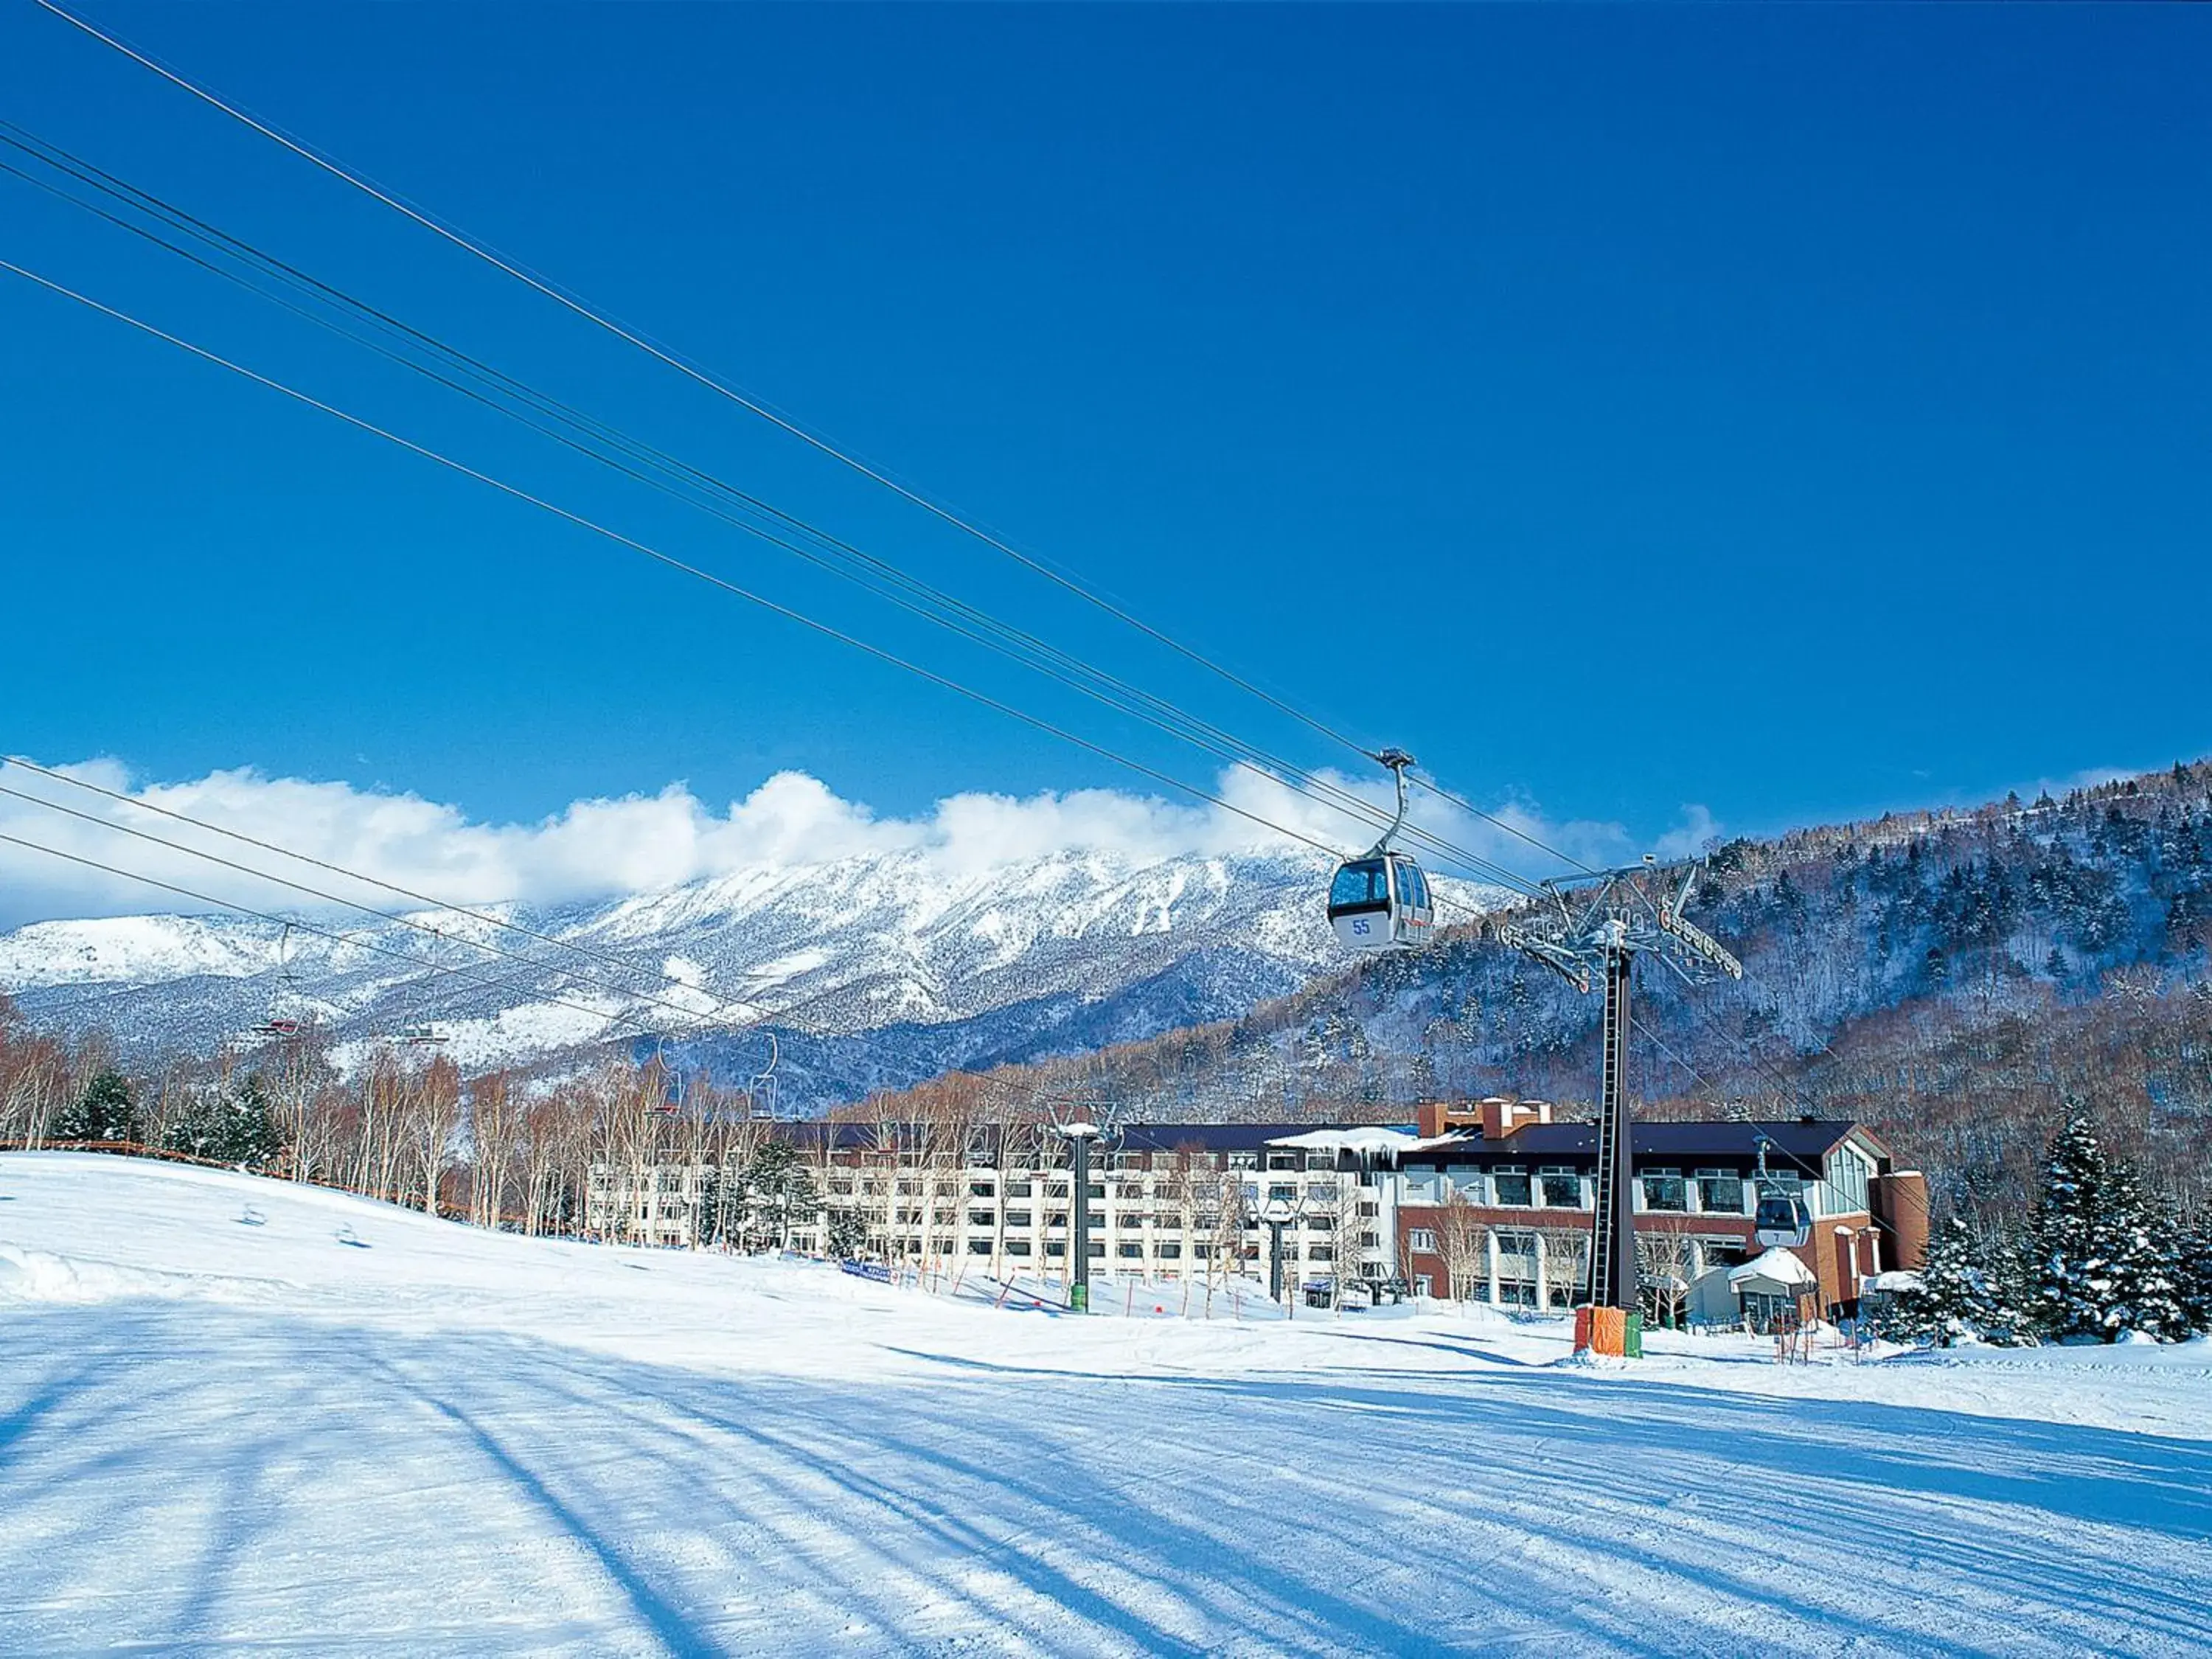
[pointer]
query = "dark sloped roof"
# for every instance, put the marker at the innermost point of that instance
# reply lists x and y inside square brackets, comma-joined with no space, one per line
[1793,1138]
[1135,1137]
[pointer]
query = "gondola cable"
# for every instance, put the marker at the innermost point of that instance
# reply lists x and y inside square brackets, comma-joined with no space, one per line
[1058,665]
[483,251]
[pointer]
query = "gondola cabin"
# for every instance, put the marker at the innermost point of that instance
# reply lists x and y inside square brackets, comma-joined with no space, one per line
[1381,902]
[1782,1219]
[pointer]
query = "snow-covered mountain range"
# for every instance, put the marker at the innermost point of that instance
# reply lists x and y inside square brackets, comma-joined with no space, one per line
[880,969]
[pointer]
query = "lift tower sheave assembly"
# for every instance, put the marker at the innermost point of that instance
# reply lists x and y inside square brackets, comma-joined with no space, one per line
[1080,1122]
[1592,940]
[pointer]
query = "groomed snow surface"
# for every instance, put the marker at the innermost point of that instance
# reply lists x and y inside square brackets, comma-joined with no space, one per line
[238,1416]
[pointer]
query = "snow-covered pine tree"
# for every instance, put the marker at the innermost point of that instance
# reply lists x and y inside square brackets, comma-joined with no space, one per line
[1950,1291]
[102,1112]
[230,1124]
[2073,1283]
[2147,1292]
[2193,1272]
[1971,1284]
[2008,1270]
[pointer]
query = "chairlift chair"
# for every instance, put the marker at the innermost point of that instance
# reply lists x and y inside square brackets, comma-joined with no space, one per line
[287,992]
[1380,901]
[663,1070]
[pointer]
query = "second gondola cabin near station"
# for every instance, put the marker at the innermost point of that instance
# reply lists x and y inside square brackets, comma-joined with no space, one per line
[1380,901]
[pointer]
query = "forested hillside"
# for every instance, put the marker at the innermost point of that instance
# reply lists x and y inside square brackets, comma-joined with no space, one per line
[1952,978]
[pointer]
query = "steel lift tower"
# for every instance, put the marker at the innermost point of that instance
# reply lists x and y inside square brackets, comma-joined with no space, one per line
[1593,939]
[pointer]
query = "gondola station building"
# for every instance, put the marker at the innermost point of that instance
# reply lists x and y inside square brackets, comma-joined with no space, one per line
[1494,1205]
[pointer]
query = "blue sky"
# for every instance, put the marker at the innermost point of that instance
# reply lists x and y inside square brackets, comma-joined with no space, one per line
[1795,411]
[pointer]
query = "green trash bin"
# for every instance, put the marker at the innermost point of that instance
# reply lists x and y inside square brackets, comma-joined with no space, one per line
[1632,1343]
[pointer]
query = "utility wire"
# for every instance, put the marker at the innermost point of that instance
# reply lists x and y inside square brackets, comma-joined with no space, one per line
[655,554]
[580,308]
[692,1015]
[324,932]
[485,917]
[966,620]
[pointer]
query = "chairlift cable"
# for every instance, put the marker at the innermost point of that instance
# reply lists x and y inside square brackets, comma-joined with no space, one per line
[1058,665]
[308,927]
[669,560]
[483,916]
[690,1014]
[551,291]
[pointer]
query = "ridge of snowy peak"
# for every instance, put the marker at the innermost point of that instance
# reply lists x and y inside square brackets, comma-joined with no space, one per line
[897,941]
[122,947]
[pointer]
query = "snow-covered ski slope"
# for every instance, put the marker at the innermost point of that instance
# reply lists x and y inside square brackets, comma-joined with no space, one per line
[237,1416]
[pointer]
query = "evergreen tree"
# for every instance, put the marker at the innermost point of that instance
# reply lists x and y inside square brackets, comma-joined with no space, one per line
[230,1124]
[1971,1285]
[2075,1287]
[2007,1264]
[102,1112]
[1951,1289]
[848,1234]
[2193,1272]
[780,1190]
[2146,1292]
[706,1216]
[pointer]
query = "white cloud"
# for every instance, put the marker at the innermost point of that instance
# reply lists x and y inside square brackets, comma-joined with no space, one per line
[607,848]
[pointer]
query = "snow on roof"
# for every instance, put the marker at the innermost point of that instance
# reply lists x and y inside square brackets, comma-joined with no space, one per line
[1894,1281]
[1777,1267]
[1366,1140]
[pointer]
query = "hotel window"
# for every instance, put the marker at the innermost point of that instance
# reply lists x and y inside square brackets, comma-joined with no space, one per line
[1202,1247]
[1513,1244]
[1171,1249]
[1055,1247]
[1663,1189]
[1056,1218]
[1321,1161]
[1017,1247]
[1322,1252]
[1720,1192]
[1243,1160]
[1847,1180]
[1129,1250]
[1509,1187]
[981,1188]
[1288,1194]
[1019,1218]
[1098,1247]
[1285,1161]
[979,1217]
[1562,1187]
[979,1247]
[1018,1190]
[1423,1239]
